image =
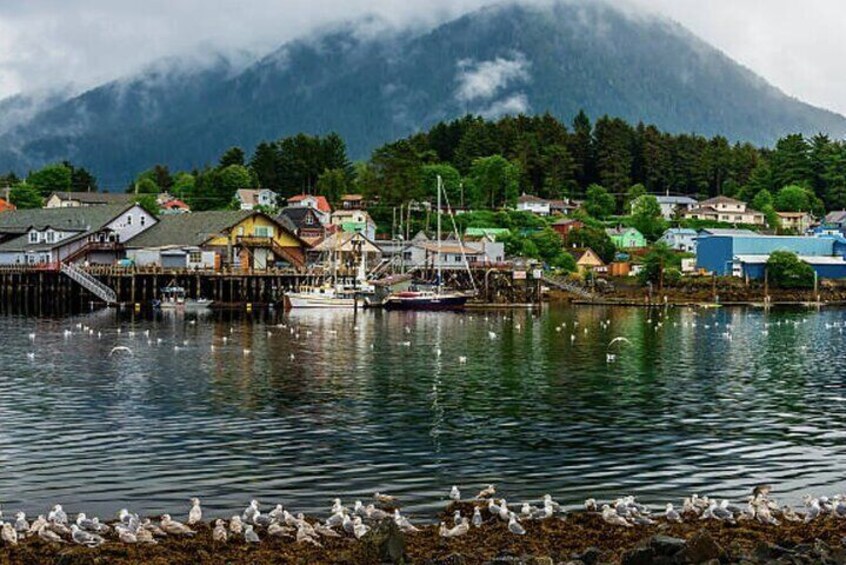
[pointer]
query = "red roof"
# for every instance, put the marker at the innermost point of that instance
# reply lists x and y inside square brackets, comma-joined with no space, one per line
[6,206]
[322,203]
[175,203]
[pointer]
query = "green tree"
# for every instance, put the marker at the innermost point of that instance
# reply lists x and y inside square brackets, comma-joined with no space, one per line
[786,270]
[232,156]
[233,178]
[633,193]
[613,141]
[51,178]
[24,196]
[763,199]
[656,262]
[647,218]
[494,181]
[793,199]
[791,161]
[146,185]
[593,238]
[450,177]
[183,185]
[148,202]
[265,164]
[598,203]
[332,184]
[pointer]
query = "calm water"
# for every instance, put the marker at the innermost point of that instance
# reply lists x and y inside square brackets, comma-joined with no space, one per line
[683,409]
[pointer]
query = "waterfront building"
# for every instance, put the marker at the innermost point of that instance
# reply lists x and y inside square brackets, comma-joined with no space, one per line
[345,250]
[747,255]
[252,198]
[680,239]
[352,202]
[587,261]
[422,253]
[75,234]
[317,203]
[626,238]
[725,210]
[242,239]
[836,219]
[303,221]
[85,199]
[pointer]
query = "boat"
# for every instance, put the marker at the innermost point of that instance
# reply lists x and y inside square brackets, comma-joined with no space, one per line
[326,296]
[175,298]
[437,299]
[425,300]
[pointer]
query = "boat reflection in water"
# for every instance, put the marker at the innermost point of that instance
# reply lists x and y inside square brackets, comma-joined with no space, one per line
[176,298]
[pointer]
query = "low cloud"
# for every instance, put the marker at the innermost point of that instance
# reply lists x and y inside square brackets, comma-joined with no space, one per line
[512,105]
[482,81]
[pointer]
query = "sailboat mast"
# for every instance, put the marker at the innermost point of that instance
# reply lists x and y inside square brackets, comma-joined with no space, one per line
[438,256]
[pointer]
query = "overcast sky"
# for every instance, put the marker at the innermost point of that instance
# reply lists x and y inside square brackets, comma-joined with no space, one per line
[49,43]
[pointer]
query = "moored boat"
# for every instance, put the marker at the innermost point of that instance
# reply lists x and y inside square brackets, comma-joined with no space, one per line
[175,298]
[425,300]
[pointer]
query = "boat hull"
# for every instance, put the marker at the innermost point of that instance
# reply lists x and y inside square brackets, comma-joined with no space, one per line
[429,303]
[302,300]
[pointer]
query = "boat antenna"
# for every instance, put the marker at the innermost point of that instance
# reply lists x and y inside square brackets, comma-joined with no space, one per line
[460,243]
[438,255]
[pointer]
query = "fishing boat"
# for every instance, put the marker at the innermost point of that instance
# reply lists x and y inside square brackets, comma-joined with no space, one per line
[175,298]
[437,298]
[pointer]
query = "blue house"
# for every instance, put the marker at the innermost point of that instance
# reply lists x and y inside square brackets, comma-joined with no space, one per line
[680,239]
[747,255]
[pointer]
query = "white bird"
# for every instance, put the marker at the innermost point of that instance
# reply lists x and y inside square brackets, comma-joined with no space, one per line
[249,535]
[458,530]
[172,527]
[195,515]
[491,335]
[219,534]
[49,535]
[455,494]
[251,511]
[477,517]
[672,515]
[610,516]
[122,348]
[81,537]
[359,529]
[514,526]
[57,515]
[404,524]
[462,360]
[236,526]
[8,534]
[486,492]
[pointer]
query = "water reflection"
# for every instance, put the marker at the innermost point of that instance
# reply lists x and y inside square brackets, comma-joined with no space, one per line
[306,406]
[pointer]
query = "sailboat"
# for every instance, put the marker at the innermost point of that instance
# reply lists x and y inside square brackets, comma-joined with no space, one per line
[333,295]
[437,299]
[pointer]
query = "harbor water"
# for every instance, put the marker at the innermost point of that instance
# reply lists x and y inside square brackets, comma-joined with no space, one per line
[302,407]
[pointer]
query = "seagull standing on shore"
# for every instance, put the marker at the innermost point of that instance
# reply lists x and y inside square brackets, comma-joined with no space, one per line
[672,514]
[195,515]
[515,527]
[219,534]
[486,492]
[249,535]
[455,494]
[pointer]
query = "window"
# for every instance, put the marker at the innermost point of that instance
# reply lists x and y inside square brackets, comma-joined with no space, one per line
[309,220]
[51,236]
[143,220]
[263,231]
[241,230]
[195,257]
[33,237]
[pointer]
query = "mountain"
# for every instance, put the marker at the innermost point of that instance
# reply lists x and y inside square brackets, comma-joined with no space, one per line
[376,87]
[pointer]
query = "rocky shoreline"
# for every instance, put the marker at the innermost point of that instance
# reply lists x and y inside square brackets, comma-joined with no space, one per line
[578,538]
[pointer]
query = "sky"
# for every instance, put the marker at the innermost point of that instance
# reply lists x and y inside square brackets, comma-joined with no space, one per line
[50,44]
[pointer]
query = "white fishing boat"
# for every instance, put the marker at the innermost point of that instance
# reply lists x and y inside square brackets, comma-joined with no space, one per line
[176,298]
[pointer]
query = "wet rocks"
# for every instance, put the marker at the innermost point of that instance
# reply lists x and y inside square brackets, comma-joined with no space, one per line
[662,549]
[385,542]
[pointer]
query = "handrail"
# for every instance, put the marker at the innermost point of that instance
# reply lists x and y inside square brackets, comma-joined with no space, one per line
[90,283]
[569,287]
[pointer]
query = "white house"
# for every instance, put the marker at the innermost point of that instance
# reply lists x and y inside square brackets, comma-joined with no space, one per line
[533,204]
[77,234]
[726,210]
[250,198]
[672,205]
[680,239]
[424,254]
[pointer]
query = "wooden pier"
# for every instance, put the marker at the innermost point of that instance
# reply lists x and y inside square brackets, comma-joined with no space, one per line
[39,289]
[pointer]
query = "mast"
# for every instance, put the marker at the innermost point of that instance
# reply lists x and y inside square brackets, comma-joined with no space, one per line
[438,255]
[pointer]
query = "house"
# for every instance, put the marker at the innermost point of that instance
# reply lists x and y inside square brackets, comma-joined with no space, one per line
[799,222]
[6,206]
[626,238]
[726,210]
[305,222]
[836,219]
[174,206]
[354,221]
[252,198]
[352,202]
[680,239]
[83,199]
[587,261]
[346,249]
[317,203]
[533,204]
[671,206]
[74,234]
[242,239]
[747,255]
[424,254]
[565,225]
[564,207]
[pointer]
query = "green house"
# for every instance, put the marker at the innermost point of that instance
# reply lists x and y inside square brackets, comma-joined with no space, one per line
[626,238]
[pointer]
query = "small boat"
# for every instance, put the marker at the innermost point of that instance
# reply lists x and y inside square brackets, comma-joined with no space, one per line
[425,300]
[175,298]
[326,296]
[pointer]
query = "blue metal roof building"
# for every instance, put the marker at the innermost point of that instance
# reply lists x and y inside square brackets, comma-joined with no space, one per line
[746,255]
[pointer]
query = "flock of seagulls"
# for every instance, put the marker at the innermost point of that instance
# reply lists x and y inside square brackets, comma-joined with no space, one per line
[252,525]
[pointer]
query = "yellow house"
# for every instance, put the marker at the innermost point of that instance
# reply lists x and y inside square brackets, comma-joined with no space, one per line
[243,239]
[587,260]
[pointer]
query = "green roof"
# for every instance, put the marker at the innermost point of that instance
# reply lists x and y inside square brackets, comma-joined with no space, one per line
[192,229]
[79,218]
[482,232]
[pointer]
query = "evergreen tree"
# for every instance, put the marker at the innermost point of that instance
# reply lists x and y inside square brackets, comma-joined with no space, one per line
[232,156]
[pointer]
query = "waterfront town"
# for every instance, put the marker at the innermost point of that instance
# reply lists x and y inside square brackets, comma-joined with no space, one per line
[309,239]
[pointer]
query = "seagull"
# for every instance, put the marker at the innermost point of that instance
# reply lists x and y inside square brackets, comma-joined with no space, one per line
[610,516]
[57,515]
[219,534]
[486,492]
[514,526]
[278,530]
[672,515]
[249,535]
[477,517]
[49,535]
[251,511]
[459,530]
[359,529]
[462,360]
[590,505]
[122,348]
[195,515]
[385,498]
[32,337]
[492,335]
[8,535]
[455,494]
[81,537]
[236,526]
[404,524]
[172,527]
